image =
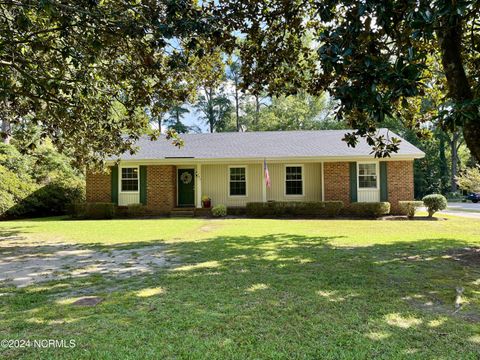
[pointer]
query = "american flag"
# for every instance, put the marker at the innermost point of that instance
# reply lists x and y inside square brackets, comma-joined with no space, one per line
[267,175]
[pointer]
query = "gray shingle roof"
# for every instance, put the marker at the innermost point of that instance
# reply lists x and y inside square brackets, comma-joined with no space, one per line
[267,144]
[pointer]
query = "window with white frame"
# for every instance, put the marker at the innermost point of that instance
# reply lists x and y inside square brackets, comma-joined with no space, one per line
[238,181]
[293,180]
[367,176]
[129,180]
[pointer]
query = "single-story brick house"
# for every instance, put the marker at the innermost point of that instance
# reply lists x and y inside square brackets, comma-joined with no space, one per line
[229,168]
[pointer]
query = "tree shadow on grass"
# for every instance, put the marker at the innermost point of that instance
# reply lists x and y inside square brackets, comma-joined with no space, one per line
[280,294]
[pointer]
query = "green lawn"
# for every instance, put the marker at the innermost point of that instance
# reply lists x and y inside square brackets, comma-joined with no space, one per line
[260,289]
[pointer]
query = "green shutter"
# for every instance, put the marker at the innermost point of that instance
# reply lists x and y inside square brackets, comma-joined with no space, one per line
[114,179]
[383,181]
[353,182]
[143,184]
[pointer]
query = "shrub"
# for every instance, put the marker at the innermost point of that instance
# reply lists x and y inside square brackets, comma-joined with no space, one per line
[78,210]
[54,198]
[236,210]
[284,208]
[99,210]
[409,207]
[136,210]
[13,190]
[219,210]
[367,209]
[434,203]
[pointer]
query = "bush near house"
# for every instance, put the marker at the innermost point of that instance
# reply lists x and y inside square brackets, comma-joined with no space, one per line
[434,203]
[84,210]
[219,210]
[283,208]
[409,207]
[367,209]
[136,210]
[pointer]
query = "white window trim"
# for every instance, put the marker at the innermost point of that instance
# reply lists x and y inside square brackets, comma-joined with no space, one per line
[120,179]
[377,174]
[285,181]
[246,181]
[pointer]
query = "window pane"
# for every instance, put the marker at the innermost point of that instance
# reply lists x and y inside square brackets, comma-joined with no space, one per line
[367,182]
[367,169]
[129,185]
[294,188]
[129,173]
[237,174]
[237,188]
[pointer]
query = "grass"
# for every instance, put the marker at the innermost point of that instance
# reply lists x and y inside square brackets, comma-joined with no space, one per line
[260,289]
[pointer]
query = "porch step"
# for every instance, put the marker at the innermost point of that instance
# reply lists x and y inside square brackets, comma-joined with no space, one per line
[182,212]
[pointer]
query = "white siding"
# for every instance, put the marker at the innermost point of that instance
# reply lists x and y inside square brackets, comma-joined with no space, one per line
[368,195]
[215,180]
[126,198]
[312,178]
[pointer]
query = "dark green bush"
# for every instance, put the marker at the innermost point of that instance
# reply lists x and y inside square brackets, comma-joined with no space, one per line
[284,208]
[55,198]
[434,203]
[99,210]
[409,207]
[78,210]
[136,210]
[236,210]
[367,209]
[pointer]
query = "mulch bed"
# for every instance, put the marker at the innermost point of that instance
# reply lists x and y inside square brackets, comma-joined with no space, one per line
[405,218]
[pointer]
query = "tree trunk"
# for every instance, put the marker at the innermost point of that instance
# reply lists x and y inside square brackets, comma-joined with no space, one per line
[5,132]
[237,105]
[454,152]
[443,164]
[257,109]
[450,43]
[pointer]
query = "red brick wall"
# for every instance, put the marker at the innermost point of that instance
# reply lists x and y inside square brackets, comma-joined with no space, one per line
[161,188]
[98,186]
[337,181]
[400,182]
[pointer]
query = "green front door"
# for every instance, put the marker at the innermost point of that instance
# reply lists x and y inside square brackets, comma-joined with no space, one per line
[186,186]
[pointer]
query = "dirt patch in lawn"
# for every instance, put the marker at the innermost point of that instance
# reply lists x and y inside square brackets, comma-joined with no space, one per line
[433,304]
[23,265]
[469,256]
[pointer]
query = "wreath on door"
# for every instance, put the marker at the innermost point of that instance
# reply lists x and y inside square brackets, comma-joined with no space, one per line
[186,177]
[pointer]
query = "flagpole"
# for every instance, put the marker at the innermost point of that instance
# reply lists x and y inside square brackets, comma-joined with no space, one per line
[264,183]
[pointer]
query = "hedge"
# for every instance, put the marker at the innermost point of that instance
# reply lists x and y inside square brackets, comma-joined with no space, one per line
[284,208]
[367,209]
[94,210]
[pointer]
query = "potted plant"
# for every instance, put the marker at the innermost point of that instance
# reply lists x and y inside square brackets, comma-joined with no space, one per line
[206,202]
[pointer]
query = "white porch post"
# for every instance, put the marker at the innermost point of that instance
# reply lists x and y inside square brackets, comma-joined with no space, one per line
[264,186]
[198,186]
[323,184]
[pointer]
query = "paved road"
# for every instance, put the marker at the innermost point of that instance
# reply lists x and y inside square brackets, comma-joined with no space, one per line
[463,209]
